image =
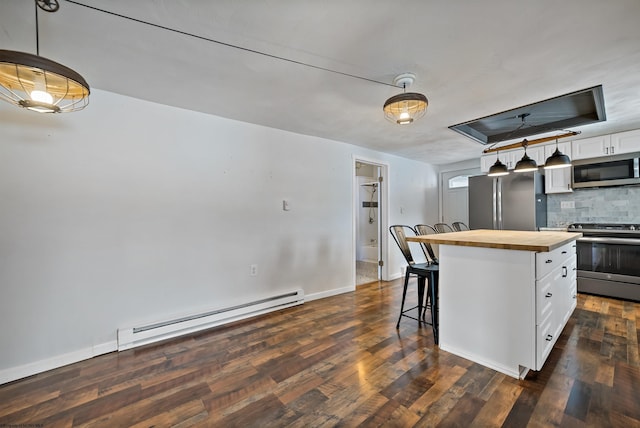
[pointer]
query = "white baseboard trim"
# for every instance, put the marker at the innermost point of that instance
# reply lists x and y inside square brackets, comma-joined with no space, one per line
[329,293]
[396,276]
[15,373]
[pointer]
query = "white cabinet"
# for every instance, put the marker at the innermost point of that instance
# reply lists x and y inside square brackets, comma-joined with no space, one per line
[503,308]
[606,145]
[557,180]
[555,297]
[625,142]
[591,147]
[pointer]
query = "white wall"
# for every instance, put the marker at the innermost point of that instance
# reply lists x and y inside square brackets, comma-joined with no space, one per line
[128,211]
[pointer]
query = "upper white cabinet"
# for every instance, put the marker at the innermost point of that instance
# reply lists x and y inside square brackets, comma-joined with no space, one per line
[625,142]
[605,145]
[557,180]
[591,147]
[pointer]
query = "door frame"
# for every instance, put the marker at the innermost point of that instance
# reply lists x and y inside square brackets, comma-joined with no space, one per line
[383,214]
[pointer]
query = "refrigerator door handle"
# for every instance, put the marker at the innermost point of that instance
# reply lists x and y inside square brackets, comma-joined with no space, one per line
[498,204]
[494,206]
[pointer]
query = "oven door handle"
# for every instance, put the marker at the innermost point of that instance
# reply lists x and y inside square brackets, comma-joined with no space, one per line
[621,241]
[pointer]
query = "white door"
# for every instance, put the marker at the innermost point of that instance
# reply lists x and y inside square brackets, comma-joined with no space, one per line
[455,195]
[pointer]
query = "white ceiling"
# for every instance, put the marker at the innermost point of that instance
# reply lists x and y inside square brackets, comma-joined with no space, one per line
[471,59]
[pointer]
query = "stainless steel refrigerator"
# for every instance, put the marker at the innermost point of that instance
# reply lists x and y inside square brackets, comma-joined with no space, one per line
[511,202]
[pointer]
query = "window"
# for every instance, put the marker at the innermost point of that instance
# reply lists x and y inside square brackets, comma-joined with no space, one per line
[459,181]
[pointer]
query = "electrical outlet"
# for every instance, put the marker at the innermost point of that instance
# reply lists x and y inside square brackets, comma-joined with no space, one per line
[253,270]
[567,204]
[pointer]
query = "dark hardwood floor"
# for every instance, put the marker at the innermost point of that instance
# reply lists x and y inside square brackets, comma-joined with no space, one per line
[341,362]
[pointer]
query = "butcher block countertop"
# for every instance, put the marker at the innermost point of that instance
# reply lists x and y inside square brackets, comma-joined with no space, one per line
[501,239]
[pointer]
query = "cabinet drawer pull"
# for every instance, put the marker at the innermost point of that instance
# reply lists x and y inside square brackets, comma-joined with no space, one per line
[549,261]
[564,272]
[564,252]
[548,295]
[549,338]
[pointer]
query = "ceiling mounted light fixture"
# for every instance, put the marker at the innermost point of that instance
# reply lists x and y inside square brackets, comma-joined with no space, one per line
[557,159]
[406,107]
[498,168]
[526,163]
[39,84]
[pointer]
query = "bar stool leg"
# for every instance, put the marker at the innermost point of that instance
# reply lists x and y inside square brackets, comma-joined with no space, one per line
[433,286]
[404,294]
[421,287]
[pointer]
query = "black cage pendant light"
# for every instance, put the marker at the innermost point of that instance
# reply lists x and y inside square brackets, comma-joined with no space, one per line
[406,107]
[557,159]
[498,168]
[526,163]
[39,84]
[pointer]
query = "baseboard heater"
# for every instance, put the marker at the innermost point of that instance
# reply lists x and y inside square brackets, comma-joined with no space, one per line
[154,332]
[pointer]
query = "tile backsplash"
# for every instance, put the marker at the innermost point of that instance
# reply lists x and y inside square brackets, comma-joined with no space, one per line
[599,205]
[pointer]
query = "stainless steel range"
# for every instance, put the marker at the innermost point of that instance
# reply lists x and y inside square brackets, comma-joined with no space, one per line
[609,259]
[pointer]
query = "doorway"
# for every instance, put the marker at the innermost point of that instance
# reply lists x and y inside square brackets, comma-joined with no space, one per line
[369,203]
[454,187]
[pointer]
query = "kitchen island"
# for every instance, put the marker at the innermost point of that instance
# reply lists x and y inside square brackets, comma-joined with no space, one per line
[504,296]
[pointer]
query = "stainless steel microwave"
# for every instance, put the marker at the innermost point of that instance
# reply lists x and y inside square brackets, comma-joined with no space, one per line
[615,170]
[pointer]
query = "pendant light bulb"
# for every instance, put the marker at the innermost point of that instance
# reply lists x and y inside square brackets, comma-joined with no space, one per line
[42,97]
[404,117]
[39,93]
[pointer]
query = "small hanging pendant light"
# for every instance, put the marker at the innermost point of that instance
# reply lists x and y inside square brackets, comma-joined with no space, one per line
[526,163]
[498,168]
[404,108]
[557,159]
[39,84]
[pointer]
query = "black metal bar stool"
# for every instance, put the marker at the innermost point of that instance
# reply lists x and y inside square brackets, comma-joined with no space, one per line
[424,271]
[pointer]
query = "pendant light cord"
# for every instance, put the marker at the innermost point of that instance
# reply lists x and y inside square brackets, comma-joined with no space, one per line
[37,31]
[268,55]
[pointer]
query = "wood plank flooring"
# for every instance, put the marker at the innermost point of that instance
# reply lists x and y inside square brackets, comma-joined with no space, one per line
[340,362]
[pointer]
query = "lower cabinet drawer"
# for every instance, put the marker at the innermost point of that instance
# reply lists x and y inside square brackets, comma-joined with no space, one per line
[544,340]
[546,262]
[544,302]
